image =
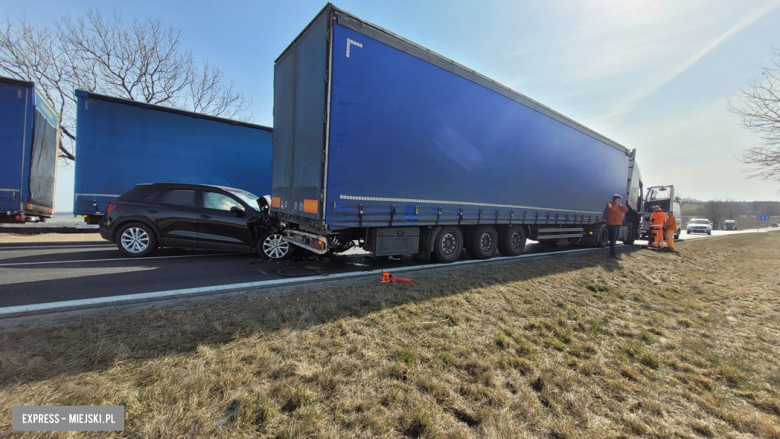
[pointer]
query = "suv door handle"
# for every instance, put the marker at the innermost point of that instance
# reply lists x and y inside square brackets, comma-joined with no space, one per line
[151,211]
[204,217]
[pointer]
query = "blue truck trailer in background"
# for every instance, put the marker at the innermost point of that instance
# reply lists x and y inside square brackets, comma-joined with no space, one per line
[29,140]
[121,143]
[382,143]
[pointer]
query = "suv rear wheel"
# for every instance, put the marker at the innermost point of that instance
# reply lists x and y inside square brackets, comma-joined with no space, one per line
[136,240]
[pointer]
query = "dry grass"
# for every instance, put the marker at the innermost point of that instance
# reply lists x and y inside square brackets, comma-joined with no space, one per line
[652,345]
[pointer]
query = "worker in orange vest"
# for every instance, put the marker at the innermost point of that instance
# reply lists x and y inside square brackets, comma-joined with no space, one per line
[670,227]
[657,220]
[615,212]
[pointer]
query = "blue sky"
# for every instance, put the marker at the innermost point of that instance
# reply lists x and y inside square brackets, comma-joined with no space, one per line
[652,75]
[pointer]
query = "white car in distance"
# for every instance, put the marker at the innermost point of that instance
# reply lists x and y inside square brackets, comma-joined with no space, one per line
[699,226]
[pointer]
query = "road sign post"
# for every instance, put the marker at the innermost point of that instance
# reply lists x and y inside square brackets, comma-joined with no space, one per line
[763,218]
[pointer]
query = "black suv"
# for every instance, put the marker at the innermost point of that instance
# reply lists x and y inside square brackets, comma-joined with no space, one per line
[192,216]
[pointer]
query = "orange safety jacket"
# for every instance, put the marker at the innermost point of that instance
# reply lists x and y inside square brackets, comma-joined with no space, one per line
[670,223]
[657,219]
[615,214]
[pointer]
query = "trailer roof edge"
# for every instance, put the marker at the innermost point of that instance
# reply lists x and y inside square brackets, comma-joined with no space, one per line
[86,94]
[14,81]
[400,43]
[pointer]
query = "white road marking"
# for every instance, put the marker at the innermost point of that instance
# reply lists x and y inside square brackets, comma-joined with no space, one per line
[117,259]
[267,283]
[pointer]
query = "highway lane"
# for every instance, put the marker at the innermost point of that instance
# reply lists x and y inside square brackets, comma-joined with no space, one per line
[36,273]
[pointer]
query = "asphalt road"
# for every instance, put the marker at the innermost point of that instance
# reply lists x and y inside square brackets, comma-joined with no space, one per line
[38,273]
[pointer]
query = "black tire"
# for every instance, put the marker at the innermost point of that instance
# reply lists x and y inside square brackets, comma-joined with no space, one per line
[136,240]
[273,246]
[511,240]
[603,240]
[677,235]
[687,232]
[448,245]
[709,232]
[631,236]
[481,242]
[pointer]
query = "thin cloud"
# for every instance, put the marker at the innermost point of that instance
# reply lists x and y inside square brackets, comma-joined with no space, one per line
[635,98]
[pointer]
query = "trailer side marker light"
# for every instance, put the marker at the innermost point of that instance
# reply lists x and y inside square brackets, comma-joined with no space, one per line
[590,233]
[276,202]
[311,206]
[318,244]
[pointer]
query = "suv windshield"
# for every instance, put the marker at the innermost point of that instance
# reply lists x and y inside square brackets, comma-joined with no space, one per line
[247,197]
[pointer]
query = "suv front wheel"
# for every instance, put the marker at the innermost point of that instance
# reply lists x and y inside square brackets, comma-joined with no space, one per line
[136,240]
[273,246]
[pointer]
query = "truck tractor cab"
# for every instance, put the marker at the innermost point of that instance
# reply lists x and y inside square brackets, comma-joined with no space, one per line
[663,197]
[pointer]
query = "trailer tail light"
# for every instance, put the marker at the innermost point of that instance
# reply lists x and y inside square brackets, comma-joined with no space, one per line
[18,217]
[110,207]
[276,202]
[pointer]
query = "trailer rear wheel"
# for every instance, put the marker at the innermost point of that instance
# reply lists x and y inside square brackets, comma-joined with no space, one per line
[448,244]
[481,242]
[511,241]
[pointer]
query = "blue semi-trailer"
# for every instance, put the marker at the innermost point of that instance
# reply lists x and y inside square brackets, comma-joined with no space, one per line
[29,139]
[382,143]
[121,143]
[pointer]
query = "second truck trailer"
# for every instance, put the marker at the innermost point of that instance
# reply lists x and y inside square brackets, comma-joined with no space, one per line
[29,141]
[121,143]
[382,143]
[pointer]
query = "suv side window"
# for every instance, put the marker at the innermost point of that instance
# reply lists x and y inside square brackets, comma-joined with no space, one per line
[179,197]
[217,201]
[151,196]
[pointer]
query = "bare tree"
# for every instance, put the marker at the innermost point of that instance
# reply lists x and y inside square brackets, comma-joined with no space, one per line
[137,60]
[732,208]
[715,211]
[759,111]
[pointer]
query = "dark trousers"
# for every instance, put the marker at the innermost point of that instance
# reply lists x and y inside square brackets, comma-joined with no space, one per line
[613,235]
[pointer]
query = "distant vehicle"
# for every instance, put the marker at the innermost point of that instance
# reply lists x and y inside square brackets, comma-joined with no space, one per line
[699,226]
[29,135]
[775,225]
[730,225]
[122,143]
[192,216]
[661,196]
